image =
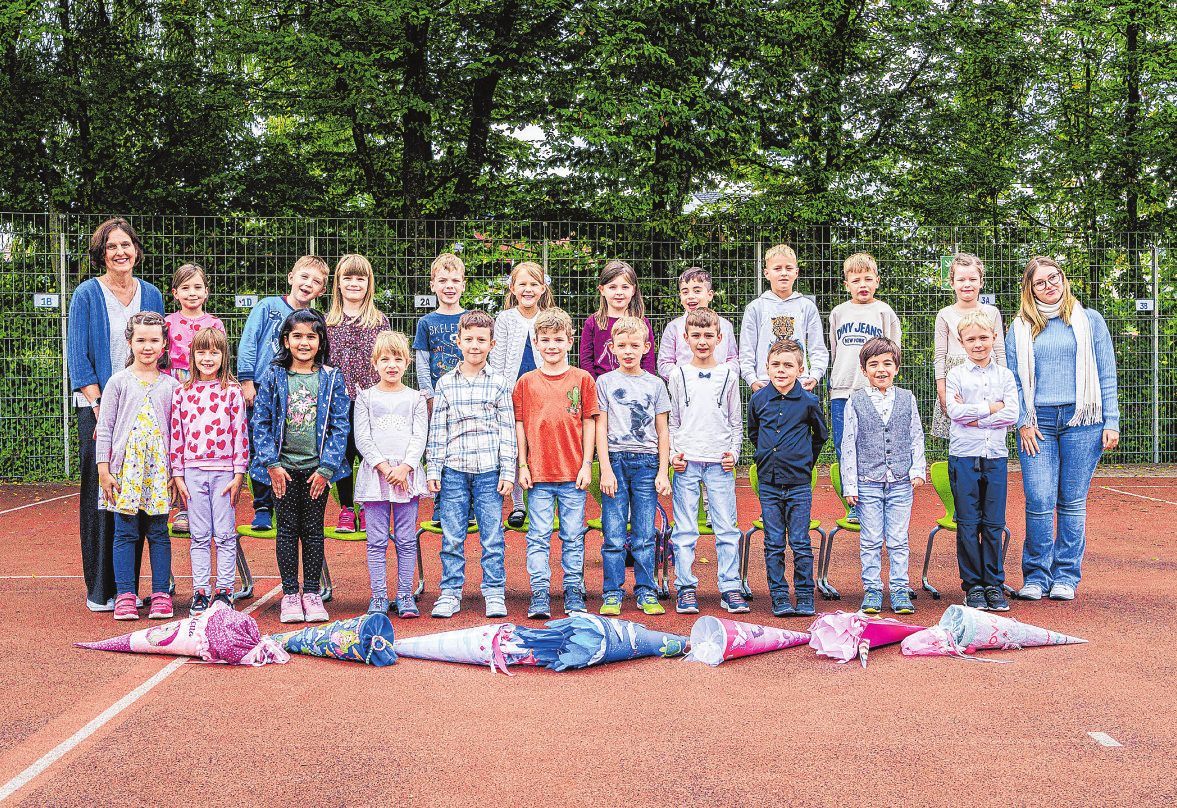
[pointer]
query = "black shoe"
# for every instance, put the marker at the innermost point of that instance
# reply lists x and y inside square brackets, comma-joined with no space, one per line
[199,603]
[995,599]
[975,599]
[436,523]
[781,607]
[805,606]
[516,518]
[223,596]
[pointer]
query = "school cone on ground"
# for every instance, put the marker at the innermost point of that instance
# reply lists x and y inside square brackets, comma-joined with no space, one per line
[971,629]
[592,640]
[716,639]
[840,635]
[496,644]
[367,638]
[219,634]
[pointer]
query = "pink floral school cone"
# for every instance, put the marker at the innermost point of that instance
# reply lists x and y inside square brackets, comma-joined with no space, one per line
[717,639]
[971,629]
[840,635]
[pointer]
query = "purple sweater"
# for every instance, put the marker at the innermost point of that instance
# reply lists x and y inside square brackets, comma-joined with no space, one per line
[595,356]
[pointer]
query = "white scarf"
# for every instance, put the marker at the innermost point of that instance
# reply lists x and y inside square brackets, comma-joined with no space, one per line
[1088,399]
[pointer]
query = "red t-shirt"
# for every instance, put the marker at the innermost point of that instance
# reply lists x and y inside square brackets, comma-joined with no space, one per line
[552,409]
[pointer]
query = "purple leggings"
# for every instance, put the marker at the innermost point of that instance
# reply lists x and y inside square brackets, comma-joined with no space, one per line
[404,534]
[211,518]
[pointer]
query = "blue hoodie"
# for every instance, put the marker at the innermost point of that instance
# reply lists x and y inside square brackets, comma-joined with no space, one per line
[259,339]
[269,422]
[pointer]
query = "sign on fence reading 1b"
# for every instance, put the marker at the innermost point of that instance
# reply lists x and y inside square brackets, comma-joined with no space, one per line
[46,300]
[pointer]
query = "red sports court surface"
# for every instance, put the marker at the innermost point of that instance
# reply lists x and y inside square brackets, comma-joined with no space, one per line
[79,727]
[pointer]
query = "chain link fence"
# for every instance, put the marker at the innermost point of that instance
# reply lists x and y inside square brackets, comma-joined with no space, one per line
[1128,277]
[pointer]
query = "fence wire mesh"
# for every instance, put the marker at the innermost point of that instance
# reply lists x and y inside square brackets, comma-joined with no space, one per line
[1128,277]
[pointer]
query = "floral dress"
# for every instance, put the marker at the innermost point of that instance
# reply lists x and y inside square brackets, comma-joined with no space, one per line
[144,474]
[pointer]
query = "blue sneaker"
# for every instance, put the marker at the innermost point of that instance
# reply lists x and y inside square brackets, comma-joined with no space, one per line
[901,603]
[687,602]
[611,605]
[378,606]
[805,605]
[262,521]
[540,607]
[782,606]
[852,515]
[574,601]
[648,603]
[733,602]
[872,601]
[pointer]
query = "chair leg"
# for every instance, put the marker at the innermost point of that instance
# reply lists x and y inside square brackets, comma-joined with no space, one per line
[420,570]
[745,556]
[246,590]
[823,579]
[1009,590]
[325,582]
[928,560]
[172,585]
[817,563]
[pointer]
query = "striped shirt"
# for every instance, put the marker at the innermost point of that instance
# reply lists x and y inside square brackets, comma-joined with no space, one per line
[473,425]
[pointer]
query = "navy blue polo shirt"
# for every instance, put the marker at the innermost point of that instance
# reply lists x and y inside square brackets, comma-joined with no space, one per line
[788,431]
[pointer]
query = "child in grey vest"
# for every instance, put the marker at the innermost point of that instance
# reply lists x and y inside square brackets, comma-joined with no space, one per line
[882,464]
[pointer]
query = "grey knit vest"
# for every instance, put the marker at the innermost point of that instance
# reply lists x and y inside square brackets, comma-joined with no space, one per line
[883,446]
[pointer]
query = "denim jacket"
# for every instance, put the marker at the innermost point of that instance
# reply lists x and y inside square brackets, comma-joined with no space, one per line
[269,422]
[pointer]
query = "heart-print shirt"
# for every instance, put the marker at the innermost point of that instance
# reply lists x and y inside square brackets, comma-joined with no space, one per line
[209,429]
[181,330]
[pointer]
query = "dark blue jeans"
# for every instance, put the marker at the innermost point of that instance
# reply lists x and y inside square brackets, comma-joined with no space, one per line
[635,503]
[129,530]
[263,494]
[785,511]
[978,488]
[837,424]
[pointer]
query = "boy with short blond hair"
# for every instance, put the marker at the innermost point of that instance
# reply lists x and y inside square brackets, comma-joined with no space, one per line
[787,432]
[260,344]
[436,340]
[706,433]
[471,463]
[781,313]
[694,291]
[555,410]
[981,399]
[633,444]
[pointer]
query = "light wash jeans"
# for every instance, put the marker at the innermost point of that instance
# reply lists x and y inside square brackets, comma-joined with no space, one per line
[543,500]
[459,490]
[1055,482]
[722,487]
[884,514]
[633,507]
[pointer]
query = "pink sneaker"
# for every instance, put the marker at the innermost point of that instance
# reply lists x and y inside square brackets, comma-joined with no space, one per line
[291,609]
[363,524]
[312,604]
[347,522]
[124,607]
[161,606]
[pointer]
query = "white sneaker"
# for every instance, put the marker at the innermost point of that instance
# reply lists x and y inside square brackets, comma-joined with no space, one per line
[100,607]
[1062,592]
[292,609]
[446,606]
[1030,592]
[496,605]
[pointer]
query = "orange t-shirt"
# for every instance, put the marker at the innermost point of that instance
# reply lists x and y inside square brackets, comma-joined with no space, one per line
[552,409]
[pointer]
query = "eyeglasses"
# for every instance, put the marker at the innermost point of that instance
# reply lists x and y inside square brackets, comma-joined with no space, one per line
[1053,279]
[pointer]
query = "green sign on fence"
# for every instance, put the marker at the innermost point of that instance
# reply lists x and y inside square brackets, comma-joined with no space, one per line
[945,279]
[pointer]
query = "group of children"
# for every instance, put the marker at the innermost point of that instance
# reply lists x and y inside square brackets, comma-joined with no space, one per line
[500,412]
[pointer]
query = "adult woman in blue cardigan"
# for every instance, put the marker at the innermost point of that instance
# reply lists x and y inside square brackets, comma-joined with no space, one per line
[1062,358]
[96,348]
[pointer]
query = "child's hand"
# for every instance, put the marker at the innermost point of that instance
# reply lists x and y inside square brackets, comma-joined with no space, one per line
[973,424]
[232,490]
[853,501]
[278,479]
[525,478]
[808,384]
[434,486]
[996,406]
[584,476]
[916,482]
[729,461]
[757,385]
[385,471]
[505,488]
[662,485]
[319,484]
[250,393]
[399,476]
[957,398]
[110,485]
[679,462]
[608,482]
[181,489]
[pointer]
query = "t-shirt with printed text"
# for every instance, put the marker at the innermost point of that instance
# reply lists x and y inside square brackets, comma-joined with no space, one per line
[437,333]
[552,409]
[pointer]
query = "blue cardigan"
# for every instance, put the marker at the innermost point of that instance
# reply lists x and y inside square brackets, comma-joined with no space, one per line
[88,337]
[332,424]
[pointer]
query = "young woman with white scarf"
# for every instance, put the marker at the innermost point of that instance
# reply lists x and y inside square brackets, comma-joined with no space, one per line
[1061,355]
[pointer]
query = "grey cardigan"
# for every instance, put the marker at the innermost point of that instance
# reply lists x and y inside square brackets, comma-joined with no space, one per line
[122,398]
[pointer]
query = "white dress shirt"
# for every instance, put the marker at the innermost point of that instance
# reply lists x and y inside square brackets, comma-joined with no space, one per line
[979,387]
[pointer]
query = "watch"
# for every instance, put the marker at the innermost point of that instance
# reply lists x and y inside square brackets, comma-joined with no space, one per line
[95,402]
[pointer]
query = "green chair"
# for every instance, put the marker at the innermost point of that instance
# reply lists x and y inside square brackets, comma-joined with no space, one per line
[746,539]
[661,536]
[823,581]
[943,485]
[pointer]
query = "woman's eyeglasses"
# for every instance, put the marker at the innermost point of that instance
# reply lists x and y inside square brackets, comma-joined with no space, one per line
[1053,279]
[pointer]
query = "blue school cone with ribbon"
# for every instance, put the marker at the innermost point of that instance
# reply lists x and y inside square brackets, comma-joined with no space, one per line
[367,638]
[592,640]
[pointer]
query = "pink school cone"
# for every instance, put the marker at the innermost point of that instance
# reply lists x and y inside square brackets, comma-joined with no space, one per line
[716,639]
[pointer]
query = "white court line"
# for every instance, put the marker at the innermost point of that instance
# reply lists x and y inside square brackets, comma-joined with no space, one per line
[62,749]
[38,502]
[1141,496]
[1103,739]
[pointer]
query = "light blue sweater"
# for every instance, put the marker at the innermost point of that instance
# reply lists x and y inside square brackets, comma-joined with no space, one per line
[259,339]
[1054,367]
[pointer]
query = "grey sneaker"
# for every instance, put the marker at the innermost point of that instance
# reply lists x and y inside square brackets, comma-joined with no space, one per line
[1030,592]
[574,601]
[378,606]
[1062,592]
[805,606]
[496,606]
[540,607]
[446,606]
[975,599]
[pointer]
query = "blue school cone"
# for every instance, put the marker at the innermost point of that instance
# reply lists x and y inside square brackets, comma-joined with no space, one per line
[367,638]
[592,640]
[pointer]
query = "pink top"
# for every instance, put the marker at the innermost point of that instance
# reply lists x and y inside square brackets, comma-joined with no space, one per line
[209,429]
[182,329]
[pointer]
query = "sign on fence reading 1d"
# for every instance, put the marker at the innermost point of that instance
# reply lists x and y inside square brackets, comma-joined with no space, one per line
[245,301]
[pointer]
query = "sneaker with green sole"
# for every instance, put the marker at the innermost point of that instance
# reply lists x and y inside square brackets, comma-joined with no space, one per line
[872,601]
[648,603]
[611,606]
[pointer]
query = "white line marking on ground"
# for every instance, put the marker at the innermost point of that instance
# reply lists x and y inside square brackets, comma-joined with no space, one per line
[62,749]
[1104,739]
[38,502]
[1141,496]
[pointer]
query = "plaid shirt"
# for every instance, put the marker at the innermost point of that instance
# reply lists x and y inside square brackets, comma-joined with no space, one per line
[473,426]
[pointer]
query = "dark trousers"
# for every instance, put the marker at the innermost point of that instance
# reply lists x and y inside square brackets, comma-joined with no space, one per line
[96,527]
[785,512]
[346,485]
[263,495]
[978,487]
[300,520]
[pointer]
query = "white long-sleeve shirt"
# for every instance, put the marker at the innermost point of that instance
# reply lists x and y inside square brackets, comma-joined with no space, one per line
[705,417]
[979,387]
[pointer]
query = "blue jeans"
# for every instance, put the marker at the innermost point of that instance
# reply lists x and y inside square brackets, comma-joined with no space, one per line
[459,492]
[838,423]
[1055,482]
[884,514]
[721,488]
[634,507]
[978,489]
[785,512]
[542,502]
[129,528]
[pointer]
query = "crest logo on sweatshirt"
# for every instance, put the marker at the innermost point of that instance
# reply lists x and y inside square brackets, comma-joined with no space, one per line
[784,326]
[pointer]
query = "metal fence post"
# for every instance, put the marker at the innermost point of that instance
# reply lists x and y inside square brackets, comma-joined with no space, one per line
[756,269]
[63,319]
[1156,355]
